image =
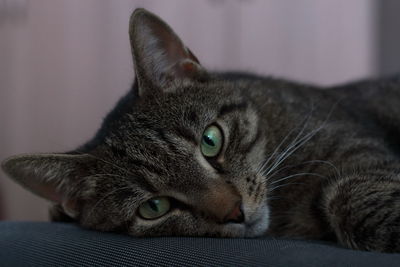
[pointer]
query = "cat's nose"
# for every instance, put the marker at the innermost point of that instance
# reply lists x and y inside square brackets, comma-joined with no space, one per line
[235,215]
[221,203]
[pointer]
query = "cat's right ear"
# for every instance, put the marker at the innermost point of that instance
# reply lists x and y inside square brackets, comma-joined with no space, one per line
[55,177]
[160,57]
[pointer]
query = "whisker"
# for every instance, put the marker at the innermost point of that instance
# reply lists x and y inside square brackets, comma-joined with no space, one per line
[304,123]
[337,172]
[292,149]
[275,151]
[302,163]
[274,198]
[282,185]
[294,146]
[298,174]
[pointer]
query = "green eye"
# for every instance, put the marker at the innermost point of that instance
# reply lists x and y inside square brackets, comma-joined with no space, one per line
[154,208]
[211,142]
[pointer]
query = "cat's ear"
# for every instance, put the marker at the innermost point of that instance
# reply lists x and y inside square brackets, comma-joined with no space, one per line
[159,56]
[54,177]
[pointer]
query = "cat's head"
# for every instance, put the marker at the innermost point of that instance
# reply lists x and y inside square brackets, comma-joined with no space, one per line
[179,155]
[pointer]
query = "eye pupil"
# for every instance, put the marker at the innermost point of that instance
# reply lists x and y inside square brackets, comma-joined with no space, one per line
[153,205]
[208,140]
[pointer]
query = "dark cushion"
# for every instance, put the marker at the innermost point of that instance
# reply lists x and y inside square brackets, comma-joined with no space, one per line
[61,244]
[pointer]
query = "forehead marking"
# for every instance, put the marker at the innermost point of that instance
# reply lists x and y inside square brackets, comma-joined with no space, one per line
[228,108]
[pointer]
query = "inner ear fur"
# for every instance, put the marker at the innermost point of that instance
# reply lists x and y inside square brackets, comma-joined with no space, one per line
[160,57]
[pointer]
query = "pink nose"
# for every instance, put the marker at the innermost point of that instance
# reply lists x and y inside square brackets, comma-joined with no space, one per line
[222,203]
[235,215]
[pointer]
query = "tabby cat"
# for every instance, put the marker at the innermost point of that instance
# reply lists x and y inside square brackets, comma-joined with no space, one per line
[193,153]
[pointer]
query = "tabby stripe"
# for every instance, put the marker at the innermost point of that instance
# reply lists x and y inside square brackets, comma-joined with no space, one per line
[228,108]
[187,134]
[390,201]
[369,216]
[165,139]
[370,194]
[193,117]
[371,202]
[234,131]
[118,152]
[375,209]
[150,167]
[125,194]
[367,200]
[395,194]
[146,185]
[250,145]
[217,167]
[385,217]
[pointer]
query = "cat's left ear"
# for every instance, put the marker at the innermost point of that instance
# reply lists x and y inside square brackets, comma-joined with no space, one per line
[55,177]
[159,56]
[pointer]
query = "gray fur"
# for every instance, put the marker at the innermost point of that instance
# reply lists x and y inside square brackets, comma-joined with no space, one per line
[303,162]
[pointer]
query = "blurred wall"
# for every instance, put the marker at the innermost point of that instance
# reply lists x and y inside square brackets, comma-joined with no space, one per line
[64,64]
[388,29]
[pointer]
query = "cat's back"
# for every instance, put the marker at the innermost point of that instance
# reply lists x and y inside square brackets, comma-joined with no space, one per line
[374,104]
[378,99]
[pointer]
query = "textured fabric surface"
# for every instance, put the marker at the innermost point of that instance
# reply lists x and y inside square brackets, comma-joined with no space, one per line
[58,244]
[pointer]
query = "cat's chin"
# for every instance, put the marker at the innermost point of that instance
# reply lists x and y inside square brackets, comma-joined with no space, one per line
[255,225]
[258,223]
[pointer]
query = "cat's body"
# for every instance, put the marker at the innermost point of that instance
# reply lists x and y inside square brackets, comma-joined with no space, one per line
[187,152]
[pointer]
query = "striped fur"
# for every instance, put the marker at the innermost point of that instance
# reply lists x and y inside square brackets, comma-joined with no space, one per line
[304,162]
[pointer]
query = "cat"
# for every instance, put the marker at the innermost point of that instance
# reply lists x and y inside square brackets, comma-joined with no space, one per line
[188,152]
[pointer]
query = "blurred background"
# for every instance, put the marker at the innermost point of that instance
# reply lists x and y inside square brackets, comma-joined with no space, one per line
[65,63]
